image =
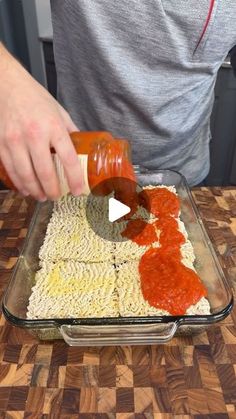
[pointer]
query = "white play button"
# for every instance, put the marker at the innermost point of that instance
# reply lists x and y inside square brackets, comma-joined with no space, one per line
[104,215]
[117,210]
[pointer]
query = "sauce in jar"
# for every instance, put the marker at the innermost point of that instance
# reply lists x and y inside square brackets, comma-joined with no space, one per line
[102,158]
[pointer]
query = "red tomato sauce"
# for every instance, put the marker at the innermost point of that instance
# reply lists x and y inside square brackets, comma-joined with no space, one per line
[140,232]
[161,202]
[169,234]
[166,283]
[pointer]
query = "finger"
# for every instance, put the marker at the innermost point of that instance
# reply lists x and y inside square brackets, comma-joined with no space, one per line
[9,166]
[69,124]
[69,159]
[25,172]
[45,170]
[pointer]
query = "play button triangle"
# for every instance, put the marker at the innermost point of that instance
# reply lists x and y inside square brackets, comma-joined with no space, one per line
[117,210]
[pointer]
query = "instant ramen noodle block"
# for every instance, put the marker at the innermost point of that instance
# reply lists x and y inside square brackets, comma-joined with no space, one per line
[74,289]
[70,205]
[125,249]
[84,275]
[70,237]
[77,205]
[130,298]
[128,250]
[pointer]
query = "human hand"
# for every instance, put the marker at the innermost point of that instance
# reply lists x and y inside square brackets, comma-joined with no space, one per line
[32,122]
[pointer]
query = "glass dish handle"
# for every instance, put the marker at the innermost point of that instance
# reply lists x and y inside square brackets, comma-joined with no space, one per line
[80,335]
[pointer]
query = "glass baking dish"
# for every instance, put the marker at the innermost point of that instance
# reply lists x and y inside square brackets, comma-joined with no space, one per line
[121,330]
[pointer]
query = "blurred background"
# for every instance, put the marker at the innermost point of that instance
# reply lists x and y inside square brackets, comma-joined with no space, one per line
[26,30]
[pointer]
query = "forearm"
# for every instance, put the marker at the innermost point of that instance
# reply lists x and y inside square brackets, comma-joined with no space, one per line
[7,61]
[10,69]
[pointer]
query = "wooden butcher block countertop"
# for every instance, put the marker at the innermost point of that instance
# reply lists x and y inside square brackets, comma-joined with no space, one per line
[188,377]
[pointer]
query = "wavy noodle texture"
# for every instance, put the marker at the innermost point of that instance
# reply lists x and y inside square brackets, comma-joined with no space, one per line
[130,298]
[74,289]
[70,237]
[83,275]
[67,239]
[126,249]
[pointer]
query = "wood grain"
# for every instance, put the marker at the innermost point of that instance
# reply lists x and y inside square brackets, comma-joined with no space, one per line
[190,377]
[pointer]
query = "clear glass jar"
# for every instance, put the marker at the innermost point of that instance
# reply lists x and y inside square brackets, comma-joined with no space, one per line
[101,157]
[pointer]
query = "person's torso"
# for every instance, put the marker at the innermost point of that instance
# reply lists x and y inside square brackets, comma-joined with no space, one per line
[144,70]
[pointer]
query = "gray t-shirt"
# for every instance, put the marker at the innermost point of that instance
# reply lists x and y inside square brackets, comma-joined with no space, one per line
[145,70]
